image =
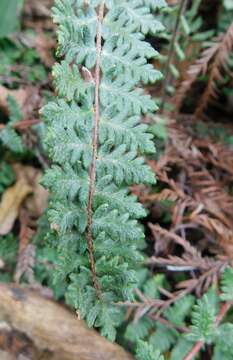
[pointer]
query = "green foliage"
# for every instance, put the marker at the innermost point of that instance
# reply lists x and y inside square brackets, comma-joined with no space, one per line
[163,338]
[203,321]
[7,176]
[159,129]
[123,142]
[139,330]
[8,249]
[178,313]
[168,339]
[8,136]
[181,348]
[9,13]
[14,51]
[11,140]
[227,285]
[8,254]
[228,4]
[224,342]
[147,352]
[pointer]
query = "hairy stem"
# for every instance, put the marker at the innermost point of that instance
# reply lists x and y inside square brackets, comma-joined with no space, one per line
[92,174]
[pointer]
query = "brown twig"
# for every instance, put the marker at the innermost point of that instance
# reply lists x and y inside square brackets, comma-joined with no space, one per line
[183,329]
[92,174]
[190,286]
[197,347]
[22,124]
[156,229]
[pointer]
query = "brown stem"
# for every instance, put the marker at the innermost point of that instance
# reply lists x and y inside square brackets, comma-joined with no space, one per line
[171,53]
[92,174]
[169,324]
[222,312]
[22,124]
[195,350]
[190,288]
[197,347]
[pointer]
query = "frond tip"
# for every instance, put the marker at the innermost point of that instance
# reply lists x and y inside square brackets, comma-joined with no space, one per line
[203,321]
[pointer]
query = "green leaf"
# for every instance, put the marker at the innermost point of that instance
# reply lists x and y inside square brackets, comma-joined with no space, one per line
[11,139]
[139,330]
[185,25]
[227,285]
[177,313]
[224,342]
[147,352]
[181,349]
[9,16]
[203,322]
[15,113]
[163,338]
[159,129]
[7,176]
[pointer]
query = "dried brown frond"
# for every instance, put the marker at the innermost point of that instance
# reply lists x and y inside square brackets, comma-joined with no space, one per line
[200,67]
[158,230]
[26,255]
[184,263]
[221,58]
[166,194]
[212,61]
[197,174]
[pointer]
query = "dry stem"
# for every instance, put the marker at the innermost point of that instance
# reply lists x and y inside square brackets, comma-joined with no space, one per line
[92,174]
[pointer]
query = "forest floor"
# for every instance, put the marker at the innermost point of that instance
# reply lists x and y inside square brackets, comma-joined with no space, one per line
[189,227]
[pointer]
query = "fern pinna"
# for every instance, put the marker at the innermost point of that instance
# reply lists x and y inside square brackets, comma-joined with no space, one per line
[96,143]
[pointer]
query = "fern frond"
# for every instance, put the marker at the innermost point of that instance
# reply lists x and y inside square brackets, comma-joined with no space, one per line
[227,284]
[178,312]
[147,352]
[97,146]
[155,4]
[203,322]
